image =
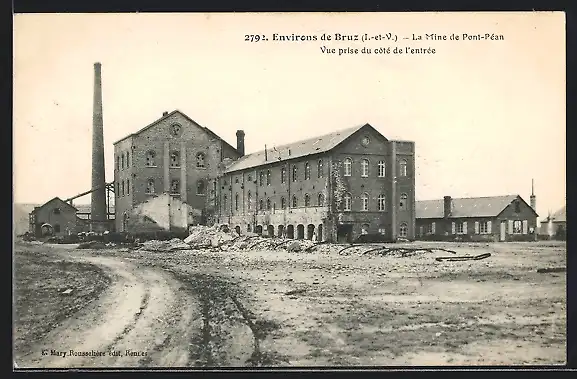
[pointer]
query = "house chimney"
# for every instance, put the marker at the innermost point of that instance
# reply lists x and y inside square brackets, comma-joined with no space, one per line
[447,207]
[240,142]
[164,114]
[533,198]
[98,197]
[265,154]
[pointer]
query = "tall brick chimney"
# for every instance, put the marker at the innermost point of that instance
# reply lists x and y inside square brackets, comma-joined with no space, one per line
[240,142]
[533,198]
[98,197]
[447,206]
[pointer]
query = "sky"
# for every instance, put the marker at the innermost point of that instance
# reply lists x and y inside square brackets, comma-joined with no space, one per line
[486,116]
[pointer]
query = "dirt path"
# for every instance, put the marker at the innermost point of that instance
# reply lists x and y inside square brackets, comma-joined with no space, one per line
[146,317]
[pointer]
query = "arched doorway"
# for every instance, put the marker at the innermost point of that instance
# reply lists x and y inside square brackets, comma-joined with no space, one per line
[270,230]
[300,231]
[258,229]
[290,231]
[320,233]
[124,222]
[237,229]
[280,231]
[310,231]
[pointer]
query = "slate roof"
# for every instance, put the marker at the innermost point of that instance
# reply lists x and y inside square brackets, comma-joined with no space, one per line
[465,207]
[302,148]
[559,216]
[168,115]
[52,200]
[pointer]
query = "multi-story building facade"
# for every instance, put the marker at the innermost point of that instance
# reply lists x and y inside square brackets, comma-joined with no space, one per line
[168,163]
[334,187]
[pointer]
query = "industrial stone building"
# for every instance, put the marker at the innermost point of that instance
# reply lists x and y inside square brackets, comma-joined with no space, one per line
[496,218]
[175,173]
[56,218]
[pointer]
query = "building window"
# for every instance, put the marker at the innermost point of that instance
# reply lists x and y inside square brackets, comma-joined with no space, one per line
[249,200]
[151,159]
[403,230]
[122,161]
[295,202]
[56,211]
[224,202]
[517,206]
[403,167]
[307,171]
[282,202]
[249,177]
[128,186]
[236,180]
[268,177]
[175,159]
[268,204]
[175,186]
[261,178]
[517,227]
[236,202]
[118,189]
[348,167]
[294,173]
[200,160]
[117,163]
[307,200]
[382,169]
[200,187]
[320,169]
[430,228]
[283,174]
[321,200]
[347,202]
[364,202]
[365,229]
[403,202]
[382,230]
[261,204]
[150,186]
[127,159]
[122,188]
[56,228]
[381,203]
[365,168]
[459,228]
[484,227]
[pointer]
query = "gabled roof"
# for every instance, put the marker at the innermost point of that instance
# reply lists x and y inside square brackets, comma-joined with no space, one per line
[298,149]
[559,216]
[213,134]
[57,199]
[490,206]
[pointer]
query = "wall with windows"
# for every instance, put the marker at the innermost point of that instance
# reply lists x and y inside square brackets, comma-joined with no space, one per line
[60,215]
[519,221]
[124,171]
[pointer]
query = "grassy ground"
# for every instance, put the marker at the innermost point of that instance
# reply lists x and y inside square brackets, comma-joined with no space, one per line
[40,278]
[374,310]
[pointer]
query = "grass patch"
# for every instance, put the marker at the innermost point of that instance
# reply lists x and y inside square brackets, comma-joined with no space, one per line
[39,303]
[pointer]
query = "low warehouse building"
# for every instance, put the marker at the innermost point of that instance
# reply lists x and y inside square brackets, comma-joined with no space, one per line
[497,218]
[56,217]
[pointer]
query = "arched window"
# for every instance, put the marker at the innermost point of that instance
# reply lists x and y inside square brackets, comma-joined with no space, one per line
[382,169]
[365,202]
[283,174]
[249,200]
[307,200]
[117,163]
[320,168]
[127,159]
[295,202]
[403,230]
[261,204]
[175,186]
[268,177]
[282,202]
[268,204]
[381,203]
[347,166]
[200,160]
[403,168]
[347,199]
[236,201]
[175,159]
[200,187]
[403,202]
[151,159]
[294,173]
[321,200]
[122,160]
[307,171]
[128,186]
[365,168]
[122,189]
[150,186]
[261,178]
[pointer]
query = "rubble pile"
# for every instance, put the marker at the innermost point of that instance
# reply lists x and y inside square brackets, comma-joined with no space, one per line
[173,244]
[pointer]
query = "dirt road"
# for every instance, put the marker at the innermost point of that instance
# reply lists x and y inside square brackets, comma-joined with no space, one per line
[147,317]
